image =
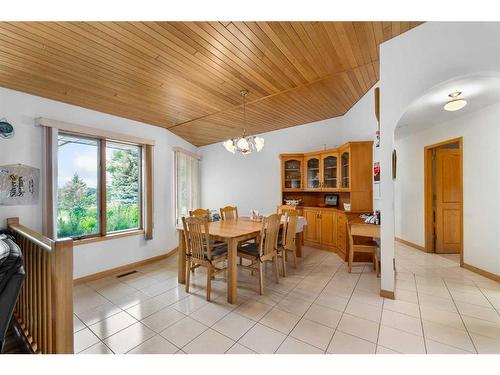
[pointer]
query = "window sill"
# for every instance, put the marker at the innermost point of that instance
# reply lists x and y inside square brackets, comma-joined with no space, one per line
[111,236]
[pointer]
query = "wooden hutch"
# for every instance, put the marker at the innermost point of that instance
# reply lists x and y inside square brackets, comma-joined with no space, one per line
[308,177]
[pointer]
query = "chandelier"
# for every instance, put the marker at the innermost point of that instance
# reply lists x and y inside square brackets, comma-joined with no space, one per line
[245,144]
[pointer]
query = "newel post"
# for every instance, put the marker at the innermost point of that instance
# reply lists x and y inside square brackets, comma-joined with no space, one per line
[62,290]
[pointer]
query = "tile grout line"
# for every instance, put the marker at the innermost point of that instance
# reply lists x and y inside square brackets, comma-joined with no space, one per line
[485,296]
[272,308]
[420,313]
[461,318]
[345,308]
[305,312]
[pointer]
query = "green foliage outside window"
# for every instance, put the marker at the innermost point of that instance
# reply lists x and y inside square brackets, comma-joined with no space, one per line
[77,210]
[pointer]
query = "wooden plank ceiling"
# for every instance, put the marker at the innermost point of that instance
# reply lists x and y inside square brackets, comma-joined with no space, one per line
[187,76]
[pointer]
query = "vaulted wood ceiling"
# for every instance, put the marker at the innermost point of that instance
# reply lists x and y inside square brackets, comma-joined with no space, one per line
[187,76]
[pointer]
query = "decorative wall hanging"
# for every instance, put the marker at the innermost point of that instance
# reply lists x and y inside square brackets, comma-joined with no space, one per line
[6,129]
[376,171]
[19,185]
[377,115]
[394,164]
[376,180]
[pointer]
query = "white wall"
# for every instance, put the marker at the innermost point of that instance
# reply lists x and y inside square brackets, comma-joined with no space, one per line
[481,163]
[254,181]
[411,64]
[26,148]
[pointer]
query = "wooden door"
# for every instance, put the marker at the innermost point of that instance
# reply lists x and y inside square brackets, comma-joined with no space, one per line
[448,201]
[329,167]
[312,173]
[328,220]
[313,227]
[291,174]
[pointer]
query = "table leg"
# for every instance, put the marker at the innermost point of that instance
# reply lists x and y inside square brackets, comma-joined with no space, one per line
[298,244]
[232,271]
[181,256]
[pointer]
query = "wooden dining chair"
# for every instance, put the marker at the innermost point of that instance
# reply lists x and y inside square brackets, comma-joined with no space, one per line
[200,252]
[201,212]
[287,242]
[360,243]
[264,250]
[284,208]
[229,213]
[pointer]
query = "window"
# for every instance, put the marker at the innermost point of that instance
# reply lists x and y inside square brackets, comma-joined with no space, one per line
[123,200]
[187,184]
[81,212]
[77,187]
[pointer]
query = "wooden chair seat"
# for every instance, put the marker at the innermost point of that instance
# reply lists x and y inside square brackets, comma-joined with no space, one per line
[217,252]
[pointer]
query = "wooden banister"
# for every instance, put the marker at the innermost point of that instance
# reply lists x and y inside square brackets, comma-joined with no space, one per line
[44,309]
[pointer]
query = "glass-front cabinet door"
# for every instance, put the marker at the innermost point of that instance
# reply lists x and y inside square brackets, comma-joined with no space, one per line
[313,172]
[292,174]
[344,169]
[330,169]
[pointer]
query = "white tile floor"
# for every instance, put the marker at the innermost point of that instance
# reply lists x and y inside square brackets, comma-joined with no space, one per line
[317,308]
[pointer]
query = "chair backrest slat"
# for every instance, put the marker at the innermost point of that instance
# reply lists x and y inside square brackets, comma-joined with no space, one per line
[229,213]
[290,229]
[269,234]
[197,237]
[201,212]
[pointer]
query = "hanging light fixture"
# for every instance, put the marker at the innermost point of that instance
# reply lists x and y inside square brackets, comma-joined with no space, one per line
[245,144]
[455,104]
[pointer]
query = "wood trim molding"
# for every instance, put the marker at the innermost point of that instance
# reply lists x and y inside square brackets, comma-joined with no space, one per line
[86,130]
[124,268]
[481,272]
[148,194]
[50,180]
[411,244]
[110,236]
[387,294]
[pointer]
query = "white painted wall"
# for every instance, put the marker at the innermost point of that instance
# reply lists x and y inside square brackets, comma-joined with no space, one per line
[411,64]
[481,162]
[26,148]
[254,181]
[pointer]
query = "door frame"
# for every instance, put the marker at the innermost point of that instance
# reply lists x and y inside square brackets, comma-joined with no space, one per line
[429,245]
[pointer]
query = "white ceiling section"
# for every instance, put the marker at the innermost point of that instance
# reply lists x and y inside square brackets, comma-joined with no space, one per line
[480,90]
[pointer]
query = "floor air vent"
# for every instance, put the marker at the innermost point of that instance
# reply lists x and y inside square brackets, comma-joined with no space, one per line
[126,274]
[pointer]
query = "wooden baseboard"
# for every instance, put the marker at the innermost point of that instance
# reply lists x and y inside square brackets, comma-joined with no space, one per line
[481,272]
[387,294]
[124,268]
[411,244]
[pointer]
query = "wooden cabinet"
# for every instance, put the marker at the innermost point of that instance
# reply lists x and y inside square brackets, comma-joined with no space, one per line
[342,234]
[345,169]
[321,228]
[321,172]
[312,229]
[291,173]
[328,228]
[312,172]
[329,171]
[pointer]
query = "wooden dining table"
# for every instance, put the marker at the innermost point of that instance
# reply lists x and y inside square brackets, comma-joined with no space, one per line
[232,232]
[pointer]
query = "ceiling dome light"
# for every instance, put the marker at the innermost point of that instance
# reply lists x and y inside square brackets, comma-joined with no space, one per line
[455,104]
